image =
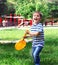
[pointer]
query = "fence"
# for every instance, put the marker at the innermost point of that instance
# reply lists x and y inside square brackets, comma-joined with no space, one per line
[14,20]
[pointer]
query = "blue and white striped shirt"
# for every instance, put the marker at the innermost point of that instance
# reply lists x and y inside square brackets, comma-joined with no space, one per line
[37,40]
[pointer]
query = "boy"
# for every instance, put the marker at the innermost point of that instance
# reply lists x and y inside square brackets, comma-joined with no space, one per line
[36,32]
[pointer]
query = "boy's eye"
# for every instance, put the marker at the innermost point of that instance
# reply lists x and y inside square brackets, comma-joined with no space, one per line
[36,15]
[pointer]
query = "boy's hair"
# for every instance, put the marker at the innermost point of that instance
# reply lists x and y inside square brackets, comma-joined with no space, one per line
[38,13]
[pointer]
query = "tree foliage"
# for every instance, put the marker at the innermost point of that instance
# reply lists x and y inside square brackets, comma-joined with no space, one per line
[27,7]
[3,7]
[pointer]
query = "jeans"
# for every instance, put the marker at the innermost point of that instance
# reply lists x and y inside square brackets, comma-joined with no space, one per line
[35,53]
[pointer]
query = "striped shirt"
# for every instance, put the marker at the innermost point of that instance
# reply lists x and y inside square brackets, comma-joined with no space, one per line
[37,40]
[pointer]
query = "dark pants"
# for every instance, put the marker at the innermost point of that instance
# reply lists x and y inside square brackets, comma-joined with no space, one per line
[35,53]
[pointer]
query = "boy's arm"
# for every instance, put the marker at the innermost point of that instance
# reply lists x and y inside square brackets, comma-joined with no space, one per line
[34,34]
[31,34]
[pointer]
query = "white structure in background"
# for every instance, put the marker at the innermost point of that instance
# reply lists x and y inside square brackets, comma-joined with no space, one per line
[5,22]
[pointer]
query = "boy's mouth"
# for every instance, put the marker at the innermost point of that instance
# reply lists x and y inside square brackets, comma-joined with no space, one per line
[35,19]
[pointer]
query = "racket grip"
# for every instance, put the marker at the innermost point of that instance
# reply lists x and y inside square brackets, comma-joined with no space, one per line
[24,36]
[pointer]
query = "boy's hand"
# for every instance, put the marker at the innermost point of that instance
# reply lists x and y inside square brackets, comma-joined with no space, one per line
[24,37]
[27,31]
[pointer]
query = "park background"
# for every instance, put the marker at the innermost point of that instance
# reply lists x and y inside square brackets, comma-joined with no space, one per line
[8,54]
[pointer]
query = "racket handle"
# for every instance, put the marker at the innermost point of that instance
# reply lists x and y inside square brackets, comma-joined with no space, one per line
[24,36]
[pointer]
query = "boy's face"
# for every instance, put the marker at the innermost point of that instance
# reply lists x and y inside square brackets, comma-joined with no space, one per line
[36,17]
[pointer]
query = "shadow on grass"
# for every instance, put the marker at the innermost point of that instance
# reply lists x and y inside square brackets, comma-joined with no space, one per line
[8,50]
[8,55]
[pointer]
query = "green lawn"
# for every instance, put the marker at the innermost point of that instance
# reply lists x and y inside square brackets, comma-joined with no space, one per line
[11,34]
[9,56]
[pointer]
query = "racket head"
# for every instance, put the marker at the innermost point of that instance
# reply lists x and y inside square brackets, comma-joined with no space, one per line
[20,44]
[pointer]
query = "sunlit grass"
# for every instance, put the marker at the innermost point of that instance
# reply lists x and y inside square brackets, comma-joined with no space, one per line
[11,34]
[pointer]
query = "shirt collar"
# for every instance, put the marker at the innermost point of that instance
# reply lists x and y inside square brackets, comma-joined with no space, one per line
[35,24]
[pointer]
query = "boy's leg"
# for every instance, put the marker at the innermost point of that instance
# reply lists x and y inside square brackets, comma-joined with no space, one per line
[35,53]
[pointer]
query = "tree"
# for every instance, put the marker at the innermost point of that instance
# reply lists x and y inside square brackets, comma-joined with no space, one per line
[27,7]
[3,7]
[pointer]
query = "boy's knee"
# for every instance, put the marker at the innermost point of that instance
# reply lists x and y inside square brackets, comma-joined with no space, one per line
[35,55]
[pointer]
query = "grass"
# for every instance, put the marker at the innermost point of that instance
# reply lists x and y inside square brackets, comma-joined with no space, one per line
[11,34]
[49,54]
